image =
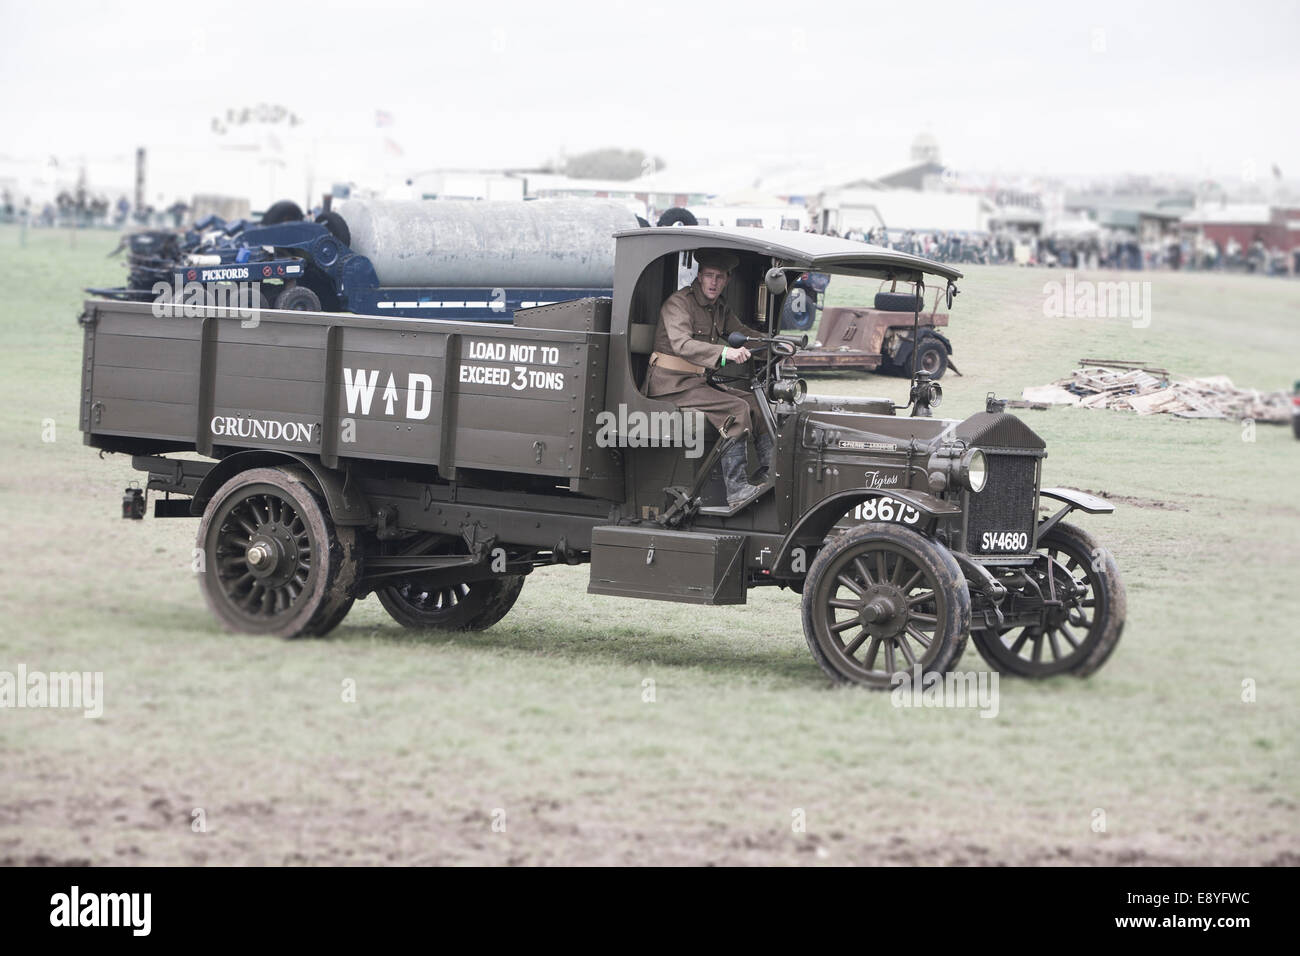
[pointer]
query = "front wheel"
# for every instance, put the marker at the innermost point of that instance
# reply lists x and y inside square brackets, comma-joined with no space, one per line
[881,599]
[1076,634]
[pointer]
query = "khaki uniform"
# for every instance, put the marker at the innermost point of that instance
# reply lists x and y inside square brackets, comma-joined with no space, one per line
[694,329]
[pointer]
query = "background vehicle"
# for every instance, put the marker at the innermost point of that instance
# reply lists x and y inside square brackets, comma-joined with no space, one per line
[394,257]
[886,338]
[1295,410]
[800,308]
[769,215]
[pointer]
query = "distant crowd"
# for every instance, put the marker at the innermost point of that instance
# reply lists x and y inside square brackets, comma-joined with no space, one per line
[1197,253]
[980,248]
[82,210]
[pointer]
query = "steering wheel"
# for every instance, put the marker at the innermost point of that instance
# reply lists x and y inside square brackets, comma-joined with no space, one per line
[779,345]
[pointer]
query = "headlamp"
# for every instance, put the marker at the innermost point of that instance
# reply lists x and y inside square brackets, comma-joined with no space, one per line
[956,466]
[789,390]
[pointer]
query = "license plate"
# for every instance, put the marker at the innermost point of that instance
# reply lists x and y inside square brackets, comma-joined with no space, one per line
[1004,542]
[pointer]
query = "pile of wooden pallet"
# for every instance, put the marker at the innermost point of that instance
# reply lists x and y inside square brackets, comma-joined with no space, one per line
[1139,387]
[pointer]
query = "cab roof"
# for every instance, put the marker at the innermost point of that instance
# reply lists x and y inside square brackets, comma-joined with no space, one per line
[802,250]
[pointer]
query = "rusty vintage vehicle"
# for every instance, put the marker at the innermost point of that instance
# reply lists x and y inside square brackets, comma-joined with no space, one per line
[895,336]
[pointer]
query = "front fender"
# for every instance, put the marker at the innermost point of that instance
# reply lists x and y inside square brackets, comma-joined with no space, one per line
[815,523]
[1089,504]
[1079,499]
[936,334]
[905,346]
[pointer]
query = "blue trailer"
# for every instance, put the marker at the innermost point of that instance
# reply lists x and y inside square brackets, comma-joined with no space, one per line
[409,251]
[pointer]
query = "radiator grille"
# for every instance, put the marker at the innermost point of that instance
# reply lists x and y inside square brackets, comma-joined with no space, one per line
[1006,508]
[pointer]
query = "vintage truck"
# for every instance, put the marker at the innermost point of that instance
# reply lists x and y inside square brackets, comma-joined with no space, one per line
[437,463]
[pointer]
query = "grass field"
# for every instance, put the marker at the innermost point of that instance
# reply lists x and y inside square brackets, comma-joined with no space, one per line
[541,722]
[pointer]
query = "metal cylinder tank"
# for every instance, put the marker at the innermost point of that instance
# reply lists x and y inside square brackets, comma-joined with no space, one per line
[546,243]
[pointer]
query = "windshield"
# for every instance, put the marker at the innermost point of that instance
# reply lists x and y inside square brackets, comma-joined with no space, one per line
[809,292]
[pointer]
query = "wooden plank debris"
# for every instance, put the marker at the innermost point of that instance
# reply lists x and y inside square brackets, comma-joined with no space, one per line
[1140,387]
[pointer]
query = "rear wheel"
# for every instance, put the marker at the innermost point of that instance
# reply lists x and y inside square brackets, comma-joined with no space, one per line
[881,599]
[273,560]
[1077,636]
[298,299]
[467,606]
[932,357]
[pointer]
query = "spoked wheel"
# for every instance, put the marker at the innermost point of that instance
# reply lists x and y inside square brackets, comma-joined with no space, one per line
[274,563]
[464,606]
[881,599]
[334,618]
[1076,637]
[471,606]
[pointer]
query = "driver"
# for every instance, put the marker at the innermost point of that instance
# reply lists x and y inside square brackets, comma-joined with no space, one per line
[693,325]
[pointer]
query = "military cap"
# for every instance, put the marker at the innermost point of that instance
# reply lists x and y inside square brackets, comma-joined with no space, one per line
[717,258]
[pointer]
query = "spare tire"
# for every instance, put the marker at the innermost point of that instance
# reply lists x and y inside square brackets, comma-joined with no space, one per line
[799,311]
[899,302]
[677,216]
[286,210]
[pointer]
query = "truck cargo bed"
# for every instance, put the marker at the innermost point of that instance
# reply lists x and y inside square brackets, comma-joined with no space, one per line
[345,386]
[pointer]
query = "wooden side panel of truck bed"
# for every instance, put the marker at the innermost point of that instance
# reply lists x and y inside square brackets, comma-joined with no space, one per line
[455,395]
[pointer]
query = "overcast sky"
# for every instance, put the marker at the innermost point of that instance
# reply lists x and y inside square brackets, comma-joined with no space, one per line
[1192,88]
